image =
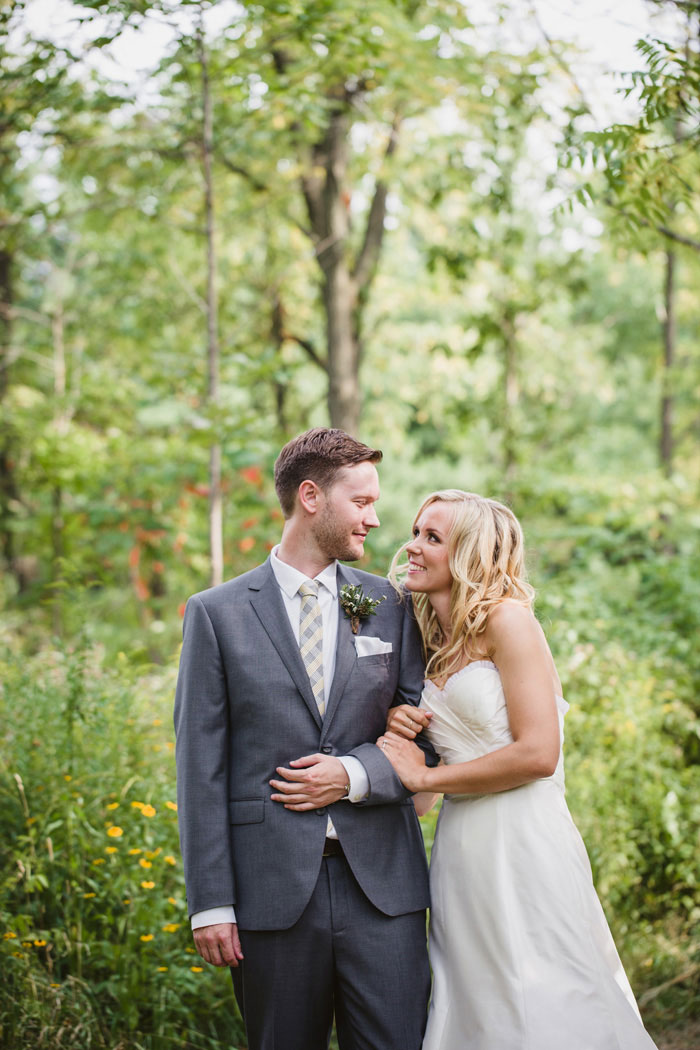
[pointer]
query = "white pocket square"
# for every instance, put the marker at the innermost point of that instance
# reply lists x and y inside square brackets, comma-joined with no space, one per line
[368,646]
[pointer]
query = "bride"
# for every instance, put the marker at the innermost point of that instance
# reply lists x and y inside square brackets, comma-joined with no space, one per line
[521,952]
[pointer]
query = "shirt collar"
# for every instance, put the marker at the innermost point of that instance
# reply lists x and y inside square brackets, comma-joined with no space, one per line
[290,579]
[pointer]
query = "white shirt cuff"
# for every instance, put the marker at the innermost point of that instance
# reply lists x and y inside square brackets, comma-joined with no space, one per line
[213,915]
[357,778]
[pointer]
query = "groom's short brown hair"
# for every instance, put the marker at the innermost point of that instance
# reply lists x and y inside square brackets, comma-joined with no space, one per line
[317,455]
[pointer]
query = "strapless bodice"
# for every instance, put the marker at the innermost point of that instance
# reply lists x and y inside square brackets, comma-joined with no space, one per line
[470,716]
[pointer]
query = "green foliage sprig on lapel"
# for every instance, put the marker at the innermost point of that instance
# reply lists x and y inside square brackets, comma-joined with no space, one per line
[357,605]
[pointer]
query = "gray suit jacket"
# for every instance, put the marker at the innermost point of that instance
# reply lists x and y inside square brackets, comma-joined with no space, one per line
[244,706]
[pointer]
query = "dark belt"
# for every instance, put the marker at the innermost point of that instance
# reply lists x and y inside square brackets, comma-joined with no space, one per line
[332,848]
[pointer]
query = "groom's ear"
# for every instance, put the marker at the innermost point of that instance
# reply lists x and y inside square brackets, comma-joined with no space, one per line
[309,496]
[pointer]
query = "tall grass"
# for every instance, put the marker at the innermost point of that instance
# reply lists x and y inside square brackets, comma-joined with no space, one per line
[96,949]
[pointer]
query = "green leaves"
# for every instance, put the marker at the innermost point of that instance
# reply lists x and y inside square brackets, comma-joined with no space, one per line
[649,166]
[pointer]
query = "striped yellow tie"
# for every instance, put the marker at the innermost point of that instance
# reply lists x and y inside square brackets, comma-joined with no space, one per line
[311,640]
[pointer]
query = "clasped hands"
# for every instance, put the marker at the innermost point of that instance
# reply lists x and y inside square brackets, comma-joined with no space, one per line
[403,726]
[314,781]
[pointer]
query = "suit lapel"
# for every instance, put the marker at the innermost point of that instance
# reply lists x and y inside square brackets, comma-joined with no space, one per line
[345,653]
[269,607]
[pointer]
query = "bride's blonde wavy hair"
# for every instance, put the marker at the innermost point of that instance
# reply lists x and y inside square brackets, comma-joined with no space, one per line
[485,551]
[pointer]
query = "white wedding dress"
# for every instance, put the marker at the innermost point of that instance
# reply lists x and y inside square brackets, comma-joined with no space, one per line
[522,955]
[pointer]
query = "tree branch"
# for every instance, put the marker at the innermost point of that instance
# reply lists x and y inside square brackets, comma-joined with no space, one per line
[374,230]
[665,231]
[651,993]
[257,185]
[308,346]
[9,312]
[312,189]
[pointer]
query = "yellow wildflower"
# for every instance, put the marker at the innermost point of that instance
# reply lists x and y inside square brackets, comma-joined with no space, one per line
[54,986]
[146,937]
[190,951]
[39,944]
[145,863]
[196,969]
[148,811]
[111,849]
[134,852]
[9,936]
[171,927]
[98,860]
[67,777]
[138,805]
[18,955]
[113,805]
[162,969]
[86,896]
[114,832]
[171,805]
[127,900]
[171,900]
[148,885]
[169,860]
[157,722]
[151,853]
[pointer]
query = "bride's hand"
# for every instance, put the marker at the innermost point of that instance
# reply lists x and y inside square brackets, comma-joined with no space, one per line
[407,759]
[407,721]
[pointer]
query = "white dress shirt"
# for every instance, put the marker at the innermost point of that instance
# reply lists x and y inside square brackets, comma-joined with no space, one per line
[289,580]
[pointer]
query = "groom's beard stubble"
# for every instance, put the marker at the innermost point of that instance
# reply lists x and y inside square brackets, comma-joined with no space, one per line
[335,538]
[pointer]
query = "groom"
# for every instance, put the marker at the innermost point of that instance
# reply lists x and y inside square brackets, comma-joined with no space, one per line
[303,856]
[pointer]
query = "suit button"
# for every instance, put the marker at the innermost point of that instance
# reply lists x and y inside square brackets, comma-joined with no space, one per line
[321,812]
[326,749]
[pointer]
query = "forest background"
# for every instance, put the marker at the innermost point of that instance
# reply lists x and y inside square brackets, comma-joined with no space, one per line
[403,217]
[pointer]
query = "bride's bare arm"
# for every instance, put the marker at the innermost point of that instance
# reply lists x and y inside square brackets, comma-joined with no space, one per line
[408,721]
[522,656]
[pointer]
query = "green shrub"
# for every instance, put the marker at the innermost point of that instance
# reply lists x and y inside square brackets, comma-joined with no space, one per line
[95,940]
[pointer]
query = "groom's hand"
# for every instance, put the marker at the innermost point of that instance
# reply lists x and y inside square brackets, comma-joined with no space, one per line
[314,782]
[219,944]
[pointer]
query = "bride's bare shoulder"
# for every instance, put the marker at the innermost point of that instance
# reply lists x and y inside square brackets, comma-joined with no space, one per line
[510,615]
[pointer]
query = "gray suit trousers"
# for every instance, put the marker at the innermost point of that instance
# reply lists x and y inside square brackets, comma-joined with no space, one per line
[342,955]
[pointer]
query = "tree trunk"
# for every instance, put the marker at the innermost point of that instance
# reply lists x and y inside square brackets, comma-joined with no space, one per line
[61,424]
[344,399]
[277,333]
[511,395]
[344,286]
[213,353]
[9,493]
[669,335]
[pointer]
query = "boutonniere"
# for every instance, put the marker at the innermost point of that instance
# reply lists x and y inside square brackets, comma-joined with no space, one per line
[356,605]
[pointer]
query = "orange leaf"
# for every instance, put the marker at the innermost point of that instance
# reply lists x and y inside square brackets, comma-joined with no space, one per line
[252,474]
